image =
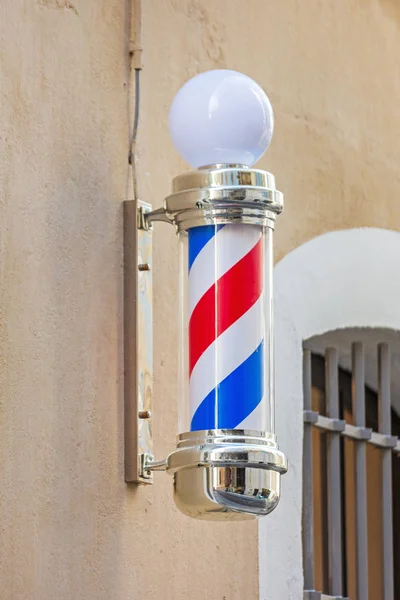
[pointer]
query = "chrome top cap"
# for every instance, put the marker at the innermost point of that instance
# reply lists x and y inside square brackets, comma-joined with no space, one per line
[221,176]
[224,194]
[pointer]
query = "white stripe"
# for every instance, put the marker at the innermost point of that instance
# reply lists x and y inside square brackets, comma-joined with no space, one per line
[257,420]
[226,353]
[225,249]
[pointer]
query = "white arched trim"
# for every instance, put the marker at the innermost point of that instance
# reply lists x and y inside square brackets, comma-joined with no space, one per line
[341,279]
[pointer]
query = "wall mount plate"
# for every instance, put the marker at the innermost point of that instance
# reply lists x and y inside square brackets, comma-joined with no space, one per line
[138,342]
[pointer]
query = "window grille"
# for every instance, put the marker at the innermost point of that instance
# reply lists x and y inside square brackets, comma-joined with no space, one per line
[348,411]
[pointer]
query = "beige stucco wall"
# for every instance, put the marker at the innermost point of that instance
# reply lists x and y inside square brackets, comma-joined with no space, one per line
[70,527]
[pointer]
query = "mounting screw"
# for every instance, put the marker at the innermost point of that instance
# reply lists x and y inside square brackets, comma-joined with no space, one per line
[144,414]
[144,267]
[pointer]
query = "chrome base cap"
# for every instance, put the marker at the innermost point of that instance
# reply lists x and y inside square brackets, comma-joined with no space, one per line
[226,475]
[226,493]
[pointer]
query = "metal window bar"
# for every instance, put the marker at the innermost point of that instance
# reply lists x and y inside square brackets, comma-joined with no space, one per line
[334,476]
[358,401]
[308,513]
[385,428]
[335,427]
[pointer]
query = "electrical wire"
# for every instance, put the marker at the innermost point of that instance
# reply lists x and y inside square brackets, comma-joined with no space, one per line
[132,147]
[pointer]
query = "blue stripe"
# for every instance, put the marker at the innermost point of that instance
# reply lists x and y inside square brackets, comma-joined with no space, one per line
[234,398]
[198,238]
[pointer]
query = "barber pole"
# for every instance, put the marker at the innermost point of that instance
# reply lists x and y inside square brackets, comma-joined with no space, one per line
[227,464]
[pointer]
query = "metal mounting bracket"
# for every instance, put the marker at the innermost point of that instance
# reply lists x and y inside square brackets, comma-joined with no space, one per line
[138,342]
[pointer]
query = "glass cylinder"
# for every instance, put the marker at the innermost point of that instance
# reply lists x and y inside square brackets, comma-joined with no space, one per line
[226,368]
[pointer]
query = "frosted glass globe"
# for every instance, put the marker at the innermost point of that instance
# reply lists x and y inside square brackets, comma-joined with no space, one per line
[221,116]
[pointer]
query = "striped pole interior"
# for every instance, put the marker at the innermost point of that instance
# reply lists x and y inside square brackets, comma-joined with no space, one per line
[226,327]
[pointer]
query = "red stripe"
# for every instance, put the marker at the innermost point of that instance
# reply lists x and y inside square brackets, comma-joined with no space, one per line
[225,302]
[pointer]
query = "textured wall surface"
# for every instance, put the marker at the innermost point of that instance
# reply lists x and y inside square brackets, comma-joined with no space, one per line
[70,528]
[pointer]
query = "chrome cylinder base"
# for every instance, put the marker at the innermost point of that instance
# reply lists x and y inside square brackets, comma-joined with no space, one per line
[226,475]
